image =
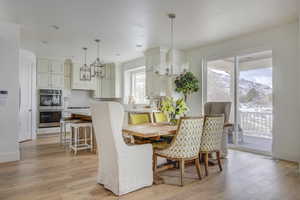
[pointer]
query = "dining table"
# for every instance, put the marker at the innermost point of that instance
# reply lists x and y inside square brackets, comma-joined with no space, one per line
[152,132]
[146,131]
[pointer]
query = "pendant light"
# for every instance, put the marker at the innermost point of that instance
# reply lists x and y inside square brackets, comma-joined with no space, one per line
[175,60]
[97,67]
[85,70]
[170,55]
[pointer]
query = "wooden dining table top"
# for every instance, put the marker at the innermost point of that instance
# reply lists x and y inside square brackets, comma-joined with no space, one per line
[150,130]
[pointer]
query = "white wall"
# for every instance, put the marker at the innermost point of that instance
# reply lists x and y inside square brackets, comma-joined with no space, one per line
[138,62]
[79,98]
[283,41]
[9,80]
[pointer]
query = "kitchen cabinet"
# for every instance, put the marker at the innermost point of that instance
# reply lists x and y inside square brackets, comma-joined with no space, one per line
[56,67]
[106,87]
[50,66]
[57,81]
[43,80]
[43,66]
[50,73]
[76,83]
[67,75]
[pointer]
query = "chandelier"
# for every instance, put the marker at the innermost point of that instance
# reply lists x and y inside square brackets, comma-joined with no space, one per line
[85,70]
[175,63]
[170,55]
[97,67]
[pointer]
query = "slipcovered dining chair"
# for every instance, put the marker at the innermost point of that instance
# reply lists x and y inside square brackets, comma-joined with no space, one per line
[211,141]
[139,118]
[160,117]
[122,168]
[215,108]
[185,145]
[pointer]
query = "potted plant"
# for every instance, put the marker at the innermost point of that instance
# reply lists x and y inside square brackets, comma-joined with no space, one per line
[186,84]
[173,108]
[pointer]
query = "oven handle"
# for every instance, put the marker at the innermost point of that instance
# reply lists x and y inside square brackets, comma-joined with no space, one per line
[50,94]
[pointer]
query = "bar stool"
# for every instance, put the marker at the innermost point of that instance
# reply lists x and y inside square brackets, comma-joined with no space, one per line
[77,129]
[63,140]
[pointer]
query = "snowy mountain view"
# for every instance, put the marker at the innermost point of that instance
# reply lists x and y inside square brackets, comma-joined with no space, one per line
[254,95]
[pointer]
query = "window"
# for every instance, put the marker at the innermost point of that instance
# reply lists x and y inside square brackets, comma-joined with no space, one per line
[136,85]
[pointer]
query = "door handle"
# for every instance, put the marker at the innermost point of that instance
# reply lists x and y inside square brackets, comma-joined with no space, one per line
[30,110]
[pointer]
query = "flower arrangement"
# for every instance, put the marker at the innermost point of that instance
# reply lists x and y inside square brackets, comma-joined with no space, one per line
[173,108]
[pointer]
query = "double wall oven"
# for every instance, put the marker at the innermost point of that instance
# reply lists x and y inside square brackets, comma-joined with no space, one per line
[50,107]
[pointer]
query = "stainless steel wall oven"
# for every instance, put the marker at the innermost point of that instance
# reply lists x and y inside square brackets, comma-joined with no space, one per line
[50,107]
[49,118]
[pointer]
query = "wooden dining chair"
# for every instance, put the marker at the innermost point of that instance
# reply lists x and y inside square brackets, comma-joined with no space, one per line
[160,117]
[136,119]
[185,146]
[139,118]
[211,141]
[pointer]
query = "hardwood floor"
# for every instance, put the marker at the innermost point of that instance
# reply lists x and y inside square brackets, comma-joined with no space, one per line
[49,172]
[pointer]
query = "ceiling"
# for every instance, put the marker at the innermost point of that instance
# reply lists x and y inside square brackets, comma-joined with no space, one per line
[123,24]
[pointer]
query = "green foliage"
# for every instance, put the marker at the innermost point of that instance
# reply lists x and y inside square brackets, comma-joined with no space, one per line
[186,84]
[173,107]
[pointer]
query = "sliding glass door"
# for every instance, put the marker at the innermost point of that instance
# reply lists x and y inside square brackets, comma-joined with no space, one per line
[246,81]
[220,84]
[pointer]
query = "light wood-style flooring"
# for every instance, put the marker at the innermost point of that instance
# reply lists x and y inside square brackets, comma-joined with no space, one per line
[48,172]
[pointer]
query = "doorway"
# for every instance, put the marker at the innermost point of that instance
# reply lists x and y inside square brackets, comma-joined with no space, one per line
[246,81]
[27,96]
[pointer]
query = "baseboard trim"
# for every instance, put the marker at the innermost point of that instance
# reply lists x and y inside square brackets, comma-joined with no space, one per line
[9,156]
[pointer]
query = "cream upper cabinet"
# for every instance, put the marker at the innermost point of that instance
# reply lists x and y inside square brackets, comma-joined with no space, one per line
[106,86]
[98,91]
[50,73]
[57,81]
[43,66]
[44,80]
[56,67]
[78,84]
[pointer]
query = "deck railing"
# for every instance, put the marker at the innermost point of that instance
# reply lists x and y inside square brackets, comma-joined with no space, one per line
[257,123]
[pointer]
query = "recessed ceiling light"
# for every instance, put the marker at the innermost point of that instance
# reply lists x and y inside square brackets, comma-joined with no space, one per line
[139,45]
[54,27]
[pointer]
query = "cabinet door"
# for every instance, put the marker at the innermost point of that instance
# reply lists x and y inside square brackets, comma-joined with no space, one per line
[67,69]
[67,83]
[97,91]
[57,67]
[107,88]
[76,83]
[57,81]
[43,80]
[43,66]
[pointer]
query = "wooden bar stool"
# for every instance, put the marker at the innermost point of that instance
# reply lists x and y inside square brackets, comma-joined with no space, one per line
[63,139]
[79,139]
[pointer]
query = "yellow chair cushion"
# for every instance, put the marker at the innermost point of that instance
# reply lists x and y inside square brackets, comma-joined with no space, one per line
[160,117]
[139,118]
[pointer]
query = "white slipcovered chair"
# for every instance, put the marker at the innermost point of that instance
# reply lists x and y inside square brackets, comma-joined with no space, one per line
[122,168]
